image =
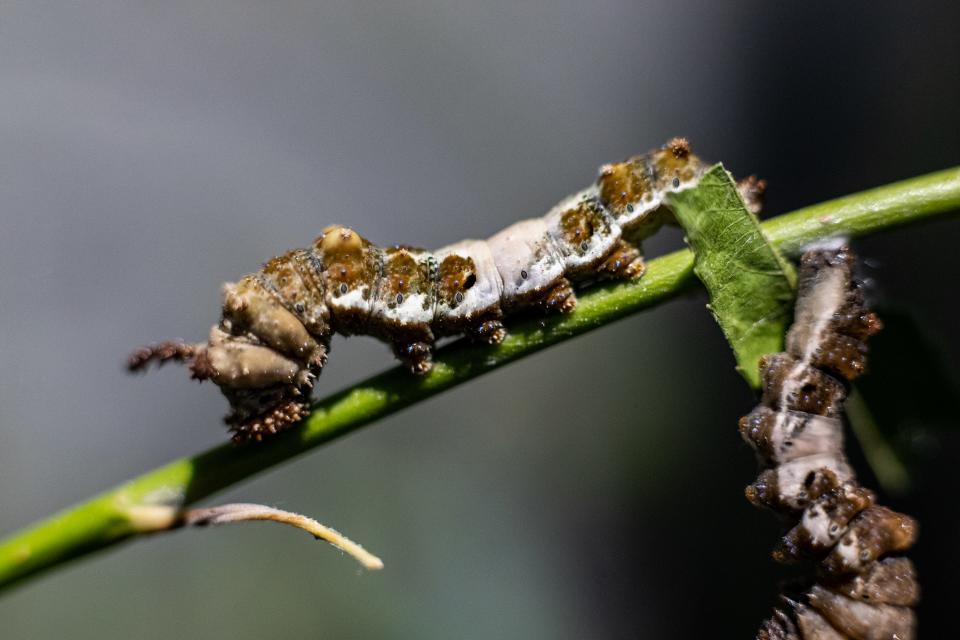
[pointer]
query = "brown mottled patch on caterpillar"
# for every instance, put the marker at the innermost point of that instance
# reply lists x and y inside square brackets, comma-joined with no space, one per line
[860,589]
[474,290]
[347,257]
[352,270]
[788,382]
[633,191]
[300,292]
[584,227]
[457,275]
[404,275]
[580,222]
[624,184]
[586,236]
[404,306]
[672,165]
[274,334]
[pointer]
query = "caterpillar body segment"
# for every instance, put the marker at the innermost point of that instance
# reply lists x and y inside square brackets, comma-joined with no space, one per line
[862,589]
[274,335]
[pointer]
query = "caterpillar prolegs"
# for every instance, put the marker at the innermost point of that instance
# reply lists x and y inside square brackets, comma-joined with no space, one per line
[274,335]
[863,589]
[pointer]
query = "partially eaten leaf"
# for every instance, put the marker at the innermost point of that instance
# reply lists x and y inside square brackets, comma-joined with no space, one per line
[751,285]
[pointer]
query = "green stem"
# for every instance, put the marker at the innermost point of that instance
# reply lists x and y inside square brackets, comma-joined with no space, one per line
[146,504]
[891,473]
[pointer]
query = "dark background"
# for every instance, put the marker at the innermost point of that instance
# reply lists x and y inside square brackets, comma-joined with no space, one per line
[151,150]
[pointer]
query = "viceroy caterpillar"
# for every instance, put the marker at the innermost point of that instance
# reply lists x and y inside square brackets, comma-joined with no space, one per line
[274,335]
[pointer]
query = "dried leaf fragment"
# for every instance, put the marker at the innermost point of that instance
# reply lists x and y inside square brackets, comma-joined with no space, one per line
[245,512]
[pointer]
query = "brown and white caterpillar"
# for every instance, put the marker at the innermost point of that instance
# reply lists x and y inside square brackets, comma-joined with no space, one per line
[862,589]
[274,335]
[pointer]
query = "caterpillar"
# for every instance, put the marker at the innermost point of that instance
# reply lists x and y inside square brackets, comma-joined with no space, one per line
[274,334]
[863,588]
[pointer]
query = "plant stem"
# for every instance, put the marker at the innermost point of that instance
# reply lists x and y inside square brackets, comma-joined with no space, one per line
[118,514]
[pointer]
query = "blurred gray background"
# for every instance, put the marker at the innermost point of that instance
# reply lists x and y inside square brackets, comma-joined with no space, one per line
[151,150]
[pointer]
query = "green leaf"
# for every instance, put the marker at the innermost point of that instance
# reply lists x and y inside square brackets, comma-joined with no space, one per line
[751,285]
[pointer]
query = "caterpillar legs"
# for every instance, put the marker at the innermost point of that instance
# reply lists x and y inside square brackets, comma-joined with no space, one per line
[489,331]
[559,298]
[416,354]
[624,262]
